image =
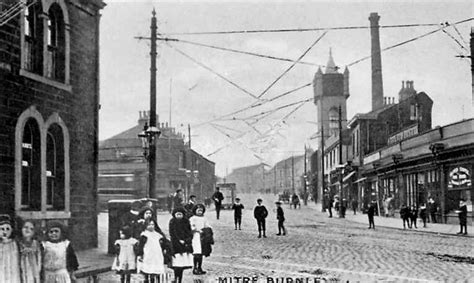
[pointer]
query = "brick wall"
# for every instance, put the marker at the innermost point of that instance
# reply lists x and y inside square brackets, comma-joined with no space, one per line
[78,109]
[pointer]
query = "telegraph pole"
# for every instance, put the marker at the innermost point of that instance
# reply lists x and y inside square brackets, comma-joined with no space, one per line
[152,157]
[340,162]
[305,177]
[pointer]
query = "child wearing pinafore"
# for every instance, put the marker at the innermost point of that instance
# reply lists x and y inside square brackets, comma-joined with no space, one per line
[150,254]
[59,259]
[126,260]
[30,254]
[9,255]
[198,223]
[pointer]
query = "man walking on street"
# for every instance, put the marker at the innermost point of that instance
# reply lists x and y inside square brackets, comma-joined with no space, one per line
[370,214]
[462,214]
[281,219]
[260,213]
[218,197]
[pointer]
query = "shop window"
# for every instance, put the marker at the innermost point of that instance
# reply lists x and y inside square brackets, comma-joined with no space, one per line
[31,167]
[33,39]
[55,169]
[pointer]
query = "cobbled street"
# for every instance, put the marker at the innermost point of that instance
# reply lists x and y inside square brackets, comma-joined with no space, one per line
[330,249]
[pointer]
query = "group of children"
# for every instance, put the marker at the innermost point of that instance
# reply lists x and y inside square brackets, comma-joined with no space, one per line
[410,214]
[28,257]
[260,213]
[144,248]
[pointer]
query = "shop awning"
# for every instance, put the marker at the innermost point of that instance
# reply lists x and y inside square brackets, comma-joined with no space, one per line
[360,180]
[348,176]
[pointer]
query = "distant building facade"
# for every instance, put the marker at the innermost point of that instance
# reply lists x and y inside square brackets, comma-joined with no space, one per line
[123,169]
[49,88]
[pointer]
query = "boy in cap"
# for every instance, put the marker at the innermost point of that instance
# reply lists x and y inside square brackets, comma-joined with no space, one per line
[237,207]
[260,213]
[281,219]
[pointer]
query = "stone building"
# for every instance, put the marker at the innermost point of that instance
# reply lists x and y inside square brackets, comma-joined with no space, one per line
[123,169]
[49,105]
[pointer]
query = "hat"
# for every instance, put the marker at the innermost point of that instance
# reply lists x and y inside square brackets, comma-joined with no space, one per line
[5,219]
[258,200]
[197,206]
[278,202]
[237,198]
[178,209]
[192,196]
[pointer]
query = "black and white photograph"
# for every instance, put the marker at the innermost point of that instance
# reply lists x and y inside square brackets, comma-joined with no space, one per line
[244,141]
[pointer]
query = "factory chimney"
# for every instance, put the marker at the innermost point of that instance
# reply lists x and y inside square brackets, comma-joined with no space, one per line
[377,83]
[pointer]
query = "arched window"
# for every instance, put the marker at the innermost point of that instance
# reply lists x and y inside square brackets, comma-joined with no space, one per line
[55,57]
[31,167]
[55,197]
[33,38]
[333,121]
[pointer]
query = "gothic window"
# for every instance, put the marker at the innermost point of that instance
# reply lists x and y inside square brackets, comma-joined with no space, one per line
[56,44]
[31,167]
[333,121]
[33,39]
[55,169]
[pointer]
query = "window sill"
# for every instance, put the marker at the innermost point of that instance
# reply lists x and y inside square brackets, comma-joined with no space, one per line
[45,80]
[45,215]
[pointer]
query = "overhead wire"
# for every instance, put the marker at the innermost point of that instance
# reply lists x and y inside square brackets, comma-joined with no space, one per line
[297,29]
[14,11]
[212,71]
[407,41]
[294,63]
[453,38]
[236,51]
[459,34]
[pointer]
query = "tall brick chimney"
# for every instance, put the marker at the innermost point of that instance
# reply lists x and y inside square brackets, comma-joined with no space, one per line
[377,83]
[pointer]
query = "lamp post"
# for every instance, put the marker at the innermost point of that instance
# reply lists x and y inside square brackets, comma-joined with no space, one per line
[148,137]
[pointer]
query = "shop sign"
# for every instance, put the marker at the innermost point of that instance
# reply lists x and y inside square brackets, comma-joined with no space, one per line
[459,177]
[398,137]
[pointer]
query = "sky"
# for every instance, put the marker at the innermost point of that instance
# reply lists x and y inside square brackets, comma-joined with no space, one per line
[191,89]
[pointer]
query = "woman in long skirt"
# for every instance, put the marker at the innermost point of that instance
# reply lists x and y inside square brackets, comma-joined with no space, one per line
[181,241]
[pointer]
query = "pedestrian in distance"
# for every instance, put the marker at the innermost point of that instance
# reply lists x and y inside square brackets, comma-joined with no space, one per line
[125,262]
[354,205]
[59,259]
[329,205]
[190,206]
[423,214]
[370,215]
[218,197]
[178,199]
[198,223]
[181,242]
[433,209]
[9,253]
[343,208]
[281,219]
[151,260]
[237,207]
[30,254]
[295,200]
[462,214]
[260,212]
[405,216]
[413,216]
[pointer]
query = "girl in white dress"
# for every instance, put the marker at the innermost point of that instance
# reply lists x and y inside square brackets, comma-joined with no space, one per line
[150,254]
[9,255]
[198,222]
[126,261]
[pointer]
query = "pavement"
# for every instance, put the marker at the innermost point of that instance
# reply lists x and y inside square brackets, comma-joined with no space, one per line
[96,261]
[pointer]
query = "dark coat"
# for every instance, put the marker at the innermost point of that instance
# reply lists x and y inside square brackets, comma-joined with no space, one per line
[237,209]
[180,229]
[280,214]
[207,240]
[463,214]
[404,212]
[371,210]
[218,197]
[260,212]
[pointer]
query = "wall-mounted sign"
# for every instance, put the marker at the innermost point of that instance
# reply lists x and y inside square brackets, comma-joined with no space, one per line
[459,177]
[412,131]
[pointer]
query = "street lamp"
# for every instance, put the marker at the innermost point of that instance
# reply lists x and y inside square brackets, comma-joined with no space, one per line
[148,138]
